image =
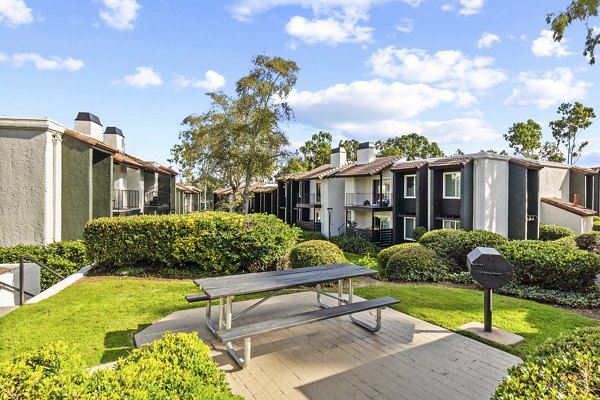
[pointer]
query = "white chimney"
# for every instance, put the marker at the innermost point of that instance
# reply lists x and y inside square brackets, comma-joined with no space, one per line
[366,153]
[338,157]
[114,137]
[89,124]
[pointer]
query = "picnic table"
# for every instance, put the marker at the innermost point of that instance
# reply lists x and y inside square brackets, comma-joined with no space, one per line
[225,288]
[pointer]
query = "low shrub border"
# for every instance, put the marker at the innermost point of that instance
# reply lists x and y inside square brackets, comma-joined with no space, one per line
[178,366]
[384,255]
[414,264]
[589,242]
[316,252]
[590,299]
[554,232]
[563,368]
[66,258]
[354,244]
[211,243]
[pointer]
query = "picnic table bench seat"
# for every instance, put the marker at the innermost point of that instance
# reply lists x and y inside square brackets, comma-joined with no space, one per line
[246,332]
[193,298]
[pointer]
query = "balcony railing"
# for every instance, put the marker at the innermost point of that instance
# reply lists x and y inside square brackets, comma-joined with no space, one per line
[308,198]
[157,198]
[379,237]
[310,226]
[373,200]
[126,199]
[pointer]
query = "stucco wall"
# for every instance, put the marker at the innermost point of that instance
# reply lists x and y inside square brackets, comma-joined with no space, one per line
[102,184]
[332,195]
[490,195]
[554,182]
[550,214]
[76,187]
[23,187]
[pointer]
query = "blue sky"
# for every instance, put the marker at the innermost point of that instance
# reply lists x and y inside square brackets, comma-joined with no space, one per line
[457,71]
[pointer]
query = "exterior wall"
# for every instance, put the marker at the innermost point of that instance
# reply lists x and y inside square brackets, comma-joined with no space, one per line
[517,201]
[577,185]
[77,194]
[102,180]
[490,195]
[554,215]
[135,181]
[333,196]
[554,182]
[25,189]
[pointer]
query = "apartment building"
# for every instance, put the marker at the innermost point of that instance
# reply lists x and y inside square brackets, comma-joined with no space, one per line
[54,179]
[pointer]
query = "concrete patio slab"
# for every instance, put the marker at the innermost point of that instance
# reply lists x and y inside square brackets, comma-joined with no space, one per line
[497,335]
[336,359]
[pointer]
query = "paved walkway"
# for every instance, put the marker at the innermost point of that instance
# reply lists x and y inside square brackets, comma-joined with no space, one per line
[336,359]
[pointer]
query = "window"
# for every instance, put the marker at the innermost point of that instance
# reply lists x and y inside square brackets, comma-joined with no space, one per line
[409,227]
[317,216]
[382,223]
[409,186]
[318,192]
[450,224]
[451,185]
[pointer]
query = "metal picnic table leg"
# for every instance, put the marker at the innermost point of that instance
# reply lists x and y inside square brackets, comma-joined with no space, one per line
[357,321]
[242,362]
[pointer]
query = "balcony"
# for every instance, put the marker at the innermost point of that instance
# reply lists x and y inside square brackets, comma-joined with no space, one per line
[369,200]
[157,202]
[379,237]
[310,226]
[308,199]
[126,199]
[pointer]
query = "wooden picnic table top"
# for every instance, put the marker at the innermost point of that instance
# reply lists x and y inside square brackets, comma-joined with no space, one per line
[235,285]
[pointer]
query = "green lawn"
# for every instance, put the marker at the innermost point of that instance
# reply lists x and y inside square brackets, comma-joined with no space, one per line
[353,258]
[98,315]
[452,307]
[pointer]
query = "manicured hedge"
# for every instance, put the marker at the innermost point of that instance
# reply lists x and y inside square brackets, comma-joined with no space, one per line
[316,252]
[548,266]
[454,245]
[306,235]
[63,257]
[213,243]
[596,226]
[589,242]
[554,232]
[416,263]
[176,367]
[354,244]
[384,255]
[418,232]
[564,368]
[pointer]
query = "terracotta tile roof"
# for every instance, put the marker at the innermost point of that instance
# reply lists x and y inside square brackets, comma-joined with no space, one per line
[186,189]
[529,164]
[567,206]
[409,166]
[91,141]
[266,188]
[450,162]
[369,169]
[315,173]
[226,191]
[585,171]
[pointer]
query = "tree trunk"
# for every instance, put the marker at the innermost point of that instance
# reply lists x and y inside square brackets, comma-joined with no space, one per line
[247,186]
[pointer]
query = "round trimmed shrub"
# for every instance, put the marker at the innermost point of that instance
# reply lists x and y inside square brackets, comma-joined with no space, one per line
[548,266]
[307,235]
[354,244]
[596,226]
[563,368]
[414,264]
[384,255]
[455,245]
[316,252]
[554,232]
[589,242]
[568,241]
[418,232]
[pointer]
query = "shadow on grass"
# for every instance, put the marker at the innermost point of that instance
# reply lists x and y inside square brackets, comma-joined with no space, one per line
[119,343]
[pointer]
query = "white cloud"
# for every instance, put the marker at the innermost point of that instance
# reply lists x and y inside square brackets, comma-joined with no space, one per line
[14,13]
[470,7]
[487,40]
[53,63]
[120,14]
[545,46]
[332,22]
[406,25]
[330,30]
[144,78]
[447,7]
[449,68]
[553,87]
[212,81]
[371,101]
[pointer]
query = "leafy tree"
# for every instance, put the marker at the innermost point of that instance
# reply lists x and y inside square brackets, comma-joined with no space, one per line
[551,152]
[240,137]
[575,118]
[411,146]
[492,151]
[525,138]
[351,147]
[294,164]
[317,151]
[459,152]
[578,10]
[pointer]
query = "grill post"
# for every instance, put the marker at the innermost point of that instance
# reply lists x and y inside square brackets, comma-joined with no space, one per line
[487,310]
[21,281]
